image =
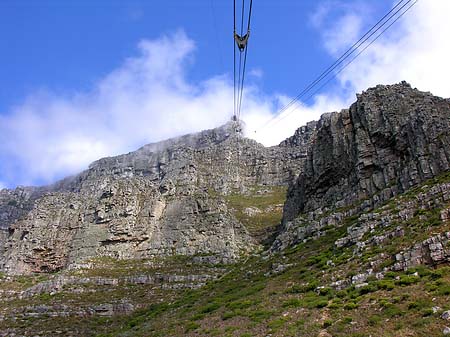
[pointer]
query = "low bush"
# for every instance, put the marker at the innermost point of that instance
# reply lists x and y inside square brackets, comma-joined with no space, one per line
[386,284]
[350,306]
[191,326]
[374,320]
[392,310]
[292,303]
[211,307]
[406,280]
[276,323]
[443,289]
[327,323]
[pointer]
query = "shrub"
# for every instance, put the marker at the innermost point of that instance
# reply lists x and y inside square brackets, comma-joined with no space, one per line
[210,308]
[443,289]
[427,312]
[374,320]
[192,326]
[295,289]
[197,317]
[341,293]
[406,280]
[325,291]
[392,311]
[370,288]
[413,305]
[386,285]
[259,315]
[390,274]
[336,304]
[229,314]
[327,323]
[422,271]
[276,323]
[320,303]
[240,304]
[311,286]
[292,303]
[436,274]
[350,306]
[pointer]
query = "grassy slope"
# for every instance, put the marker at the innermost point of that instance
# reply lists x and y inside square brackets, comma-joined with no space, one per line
[84,296]
[284,294]
[267,201]
[255,299]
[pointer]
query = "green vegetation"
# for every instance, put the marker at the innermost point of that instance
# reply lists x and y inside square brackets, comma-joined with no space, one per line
[266,202]
[252,299]
[245,302]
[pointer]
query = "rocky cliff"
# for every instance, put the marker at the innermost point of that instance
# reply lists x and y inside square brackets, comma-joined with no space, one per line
[391,139]
[164,199]
[14,204]
[362,247]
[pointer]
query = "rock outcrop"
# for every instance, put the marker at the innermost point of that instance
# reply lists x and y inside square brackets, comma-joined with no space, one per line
[169,198]
[367,220]
[14,204]
[164,199]
[3,237]
[391,139]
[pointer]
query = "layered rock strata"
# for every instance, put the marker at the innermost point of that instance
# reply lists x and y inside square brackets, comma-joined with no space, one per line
[163,199]
[391,139]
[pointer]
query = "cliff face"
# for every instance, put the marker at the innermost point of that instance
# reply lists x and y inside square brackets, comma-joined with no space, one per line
[391,139]
[14,204]
[366,224]
[170,198]
[164,199]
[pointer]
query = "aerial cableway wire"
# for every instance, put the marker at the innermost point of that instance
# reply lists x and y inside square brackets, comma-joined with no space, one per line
[349,52]
[239,84]
[240,62]
[234,60]
[351,61]
[354,48]
[245,60]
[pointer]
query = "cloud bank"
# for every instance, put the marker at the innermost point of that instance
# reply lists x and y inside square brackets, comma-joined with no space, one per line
[414,49]
[148,98]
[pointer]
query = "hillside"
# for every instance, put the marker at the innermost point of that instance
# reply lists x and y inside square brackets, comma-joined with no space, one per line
[341,230]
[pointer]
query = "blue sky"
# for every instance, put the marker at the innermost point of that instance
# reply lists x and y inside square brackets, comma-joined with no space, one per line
[85,79]
[68,45]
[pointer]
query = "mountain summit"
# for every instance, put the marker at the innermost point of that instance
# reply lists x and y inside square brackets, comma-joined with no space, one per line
[165,198]
[337,230]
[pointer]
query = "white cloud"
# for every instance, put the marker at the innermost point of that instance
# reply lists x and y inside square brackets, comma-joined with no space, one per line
[340,23]
[270,132]
[414,49]
[148,98]
[256,72]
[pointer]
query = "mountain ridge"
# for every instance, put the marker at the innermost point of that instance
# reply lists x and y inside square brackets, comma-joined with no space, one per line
[342,229]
